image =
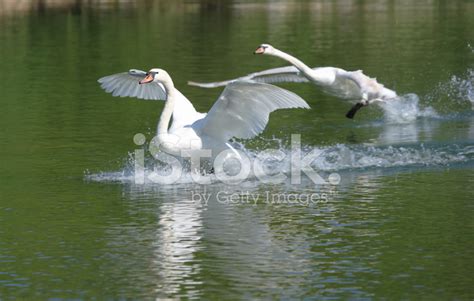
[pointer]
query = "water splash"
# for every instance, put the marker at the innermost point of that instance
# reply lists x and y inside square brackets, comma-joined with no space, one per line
[463,87]
[454,94]
[405,108]
[329,159]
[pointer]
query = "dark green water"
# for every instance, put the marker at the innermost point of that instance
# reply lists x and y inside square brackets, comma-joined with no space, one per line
[399,225]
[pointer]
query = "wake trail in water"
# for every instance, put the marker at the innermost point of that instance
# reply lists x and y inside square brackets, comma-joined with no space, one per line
[454,95]
[340,157]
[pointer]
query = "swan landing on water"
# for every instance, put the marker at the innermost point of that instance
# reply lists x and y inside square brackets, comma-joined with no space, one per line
[241,111]
[349,85]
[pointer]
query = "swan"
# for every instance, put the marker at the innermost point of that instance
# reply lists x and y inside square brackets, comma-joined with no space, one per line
[241,111]
[349,85]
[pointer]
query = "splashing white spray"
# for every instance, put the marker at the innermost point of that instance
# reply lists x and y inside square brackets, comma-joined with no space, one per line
[405,108]
[454,95]
[463,87]
[330,159]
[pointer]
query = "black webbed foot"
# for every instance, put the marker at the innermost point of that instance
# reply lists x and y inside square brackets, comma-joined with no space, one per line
[354,110]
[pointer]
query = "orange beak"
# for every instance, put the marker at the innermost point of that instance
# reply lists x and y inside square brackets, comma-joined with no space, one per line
[147,79]
[259,50]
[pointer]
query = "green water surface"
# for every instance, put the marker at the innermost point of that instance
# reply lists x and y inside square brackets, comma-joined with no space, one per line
[399,225]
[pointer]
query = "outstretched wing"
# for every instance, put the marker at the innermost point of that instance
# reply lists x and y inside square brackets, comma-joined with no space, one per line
[126,85]
[243,109]
[275,75]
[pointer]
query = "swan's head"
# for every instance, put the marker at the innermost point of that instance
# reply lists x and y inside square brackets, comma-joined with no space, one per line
[264,49]
[155,75]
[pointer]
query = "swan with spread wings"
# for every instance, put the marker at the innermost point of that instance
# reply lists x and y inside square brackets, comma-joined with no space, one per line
[241,111]
[349,85]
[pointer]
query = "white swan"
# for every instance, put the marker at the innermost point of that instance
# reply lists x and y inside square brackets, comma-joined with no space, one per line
[350,85]
[241,111]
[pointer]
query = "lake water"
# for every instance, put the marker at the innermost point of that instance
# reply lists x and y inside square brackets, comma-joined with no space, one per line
[398,225]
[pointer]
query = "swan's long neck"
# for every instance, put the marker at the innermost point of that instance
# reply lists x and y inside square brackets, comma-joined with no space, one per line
[294,61]
[169,107]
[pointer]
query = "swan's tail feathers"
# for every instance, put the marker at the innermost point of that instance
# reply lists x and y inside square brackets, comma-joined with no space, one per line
[211,85]
[354,110]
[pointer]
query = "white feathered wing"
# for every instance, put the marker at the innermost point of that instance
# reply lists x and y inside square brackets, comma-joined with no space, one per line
[243,109]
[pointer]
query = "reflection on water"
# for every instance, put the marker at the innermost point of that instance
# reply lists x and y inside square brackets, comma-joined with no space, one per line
[421,131]
[338,249]
[12,7]
[178,239]
[245,241]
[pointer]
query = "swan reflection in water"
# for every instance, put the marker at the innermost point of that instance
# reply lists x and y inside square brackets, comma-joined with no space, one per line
[233,245]
[178,239]
[396,134]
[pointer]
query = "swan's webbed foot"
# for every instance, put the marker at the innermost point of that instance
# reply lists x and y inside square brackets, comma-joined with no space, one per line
[351,113]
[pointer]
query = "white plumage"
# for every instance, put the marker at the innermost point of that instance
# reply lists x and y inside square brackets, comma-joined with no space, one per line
[241,111]
[349,85]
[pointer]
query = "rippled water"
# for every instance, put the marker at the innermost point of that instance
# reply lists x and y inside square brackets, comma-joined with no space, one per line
[395,224]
